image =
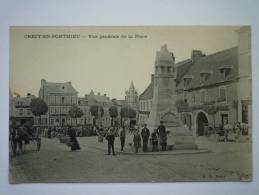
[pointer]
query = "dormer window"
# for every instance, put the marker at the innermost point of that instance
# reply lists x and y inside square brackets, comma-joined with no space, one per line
[225,71]
[187,80]
[205,76]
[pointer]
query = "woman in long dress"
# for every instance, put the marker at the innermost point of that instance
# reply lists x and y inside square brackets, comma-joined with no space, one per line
[73,141]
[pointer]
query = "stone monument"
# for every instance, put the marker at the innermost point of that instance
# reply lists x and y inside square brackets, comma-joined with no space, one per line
[163,103]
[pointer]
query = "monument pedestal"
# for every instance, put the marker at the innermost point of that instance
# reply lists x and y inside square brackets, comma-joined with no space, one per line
[163,103]
[180,138]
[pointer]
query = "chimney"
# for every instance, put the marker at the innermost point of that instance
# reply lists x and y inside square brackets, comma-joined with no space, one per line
[196,54]
[43,81]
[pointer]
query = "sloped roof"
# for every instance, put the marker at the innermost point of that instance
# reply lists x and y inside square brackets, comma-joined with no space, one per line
[120,103]
[59,87]
[98,98]
[148,93]
[182,68]
[211,63]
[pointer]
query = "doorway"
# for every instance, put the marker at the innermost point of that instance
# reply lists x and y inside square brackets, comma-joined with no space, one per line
[202,121]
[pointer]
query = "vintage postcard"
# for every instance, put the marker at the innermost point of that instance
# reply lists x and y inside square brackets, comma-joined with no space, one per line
[130,104]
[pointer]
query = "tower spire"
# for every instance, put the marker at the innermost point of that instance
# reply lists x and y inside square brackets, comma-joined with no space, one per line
[132,85]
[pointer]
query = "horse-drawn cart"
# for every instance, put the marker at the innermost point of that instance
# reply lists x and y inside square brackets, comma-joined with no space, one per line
[22,136]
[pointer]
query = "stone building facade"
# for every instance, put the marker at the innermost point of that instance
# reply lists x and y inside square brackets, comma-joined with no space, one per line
[244,76]
[59,97]
[92,99]
[210,89]
[20,110]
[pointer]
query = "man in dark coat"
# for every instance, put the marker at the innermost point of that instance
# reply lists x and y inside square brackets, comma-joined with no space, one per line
[145,133]
[122,137]
[162,135]
[110,137]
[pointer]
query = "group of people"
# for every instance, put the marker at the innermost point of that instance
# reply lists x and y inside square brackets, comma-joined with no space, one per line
[158,135]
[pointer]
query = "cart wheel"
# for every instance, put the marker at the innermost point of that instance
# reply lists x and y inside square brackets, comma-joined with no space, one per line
[38,144]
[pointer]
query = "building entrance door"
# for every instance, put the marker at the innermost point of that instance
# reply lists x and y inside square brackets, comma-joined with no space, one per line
[201,122]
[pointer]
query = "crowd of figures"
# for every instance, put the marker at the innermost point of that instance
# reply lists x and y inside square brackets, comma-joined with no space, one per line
[227,132]
[81,131]
[141,136]
[22,135]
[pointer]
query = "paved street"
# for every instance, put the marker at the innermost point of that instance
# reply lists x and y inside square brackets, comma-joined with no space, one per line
[215,161]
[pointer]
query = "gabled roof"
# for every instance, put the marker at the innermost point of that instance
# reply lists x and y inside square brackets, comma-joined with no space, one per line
[148,93]
[66,87]
[212,63]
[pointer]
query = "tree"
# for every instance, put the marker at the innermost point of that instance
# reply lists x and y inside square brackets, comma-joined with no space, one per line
[96,111]
[127,112]
[75,112]
[113,111]
[132,113]
[38,107]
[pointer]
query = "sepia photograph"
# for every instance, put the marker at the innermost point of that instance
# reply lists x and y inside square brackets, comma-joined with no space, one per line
[91,104]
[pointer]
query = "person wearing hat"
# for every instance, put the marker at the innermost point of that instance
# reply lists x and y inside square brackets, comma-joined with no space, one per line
[110,137]
[145,136]
[122,137]
[162,135]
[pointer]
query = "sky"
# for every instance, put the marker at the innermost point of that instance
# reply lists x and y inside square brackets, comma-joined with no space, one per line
[103,64]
